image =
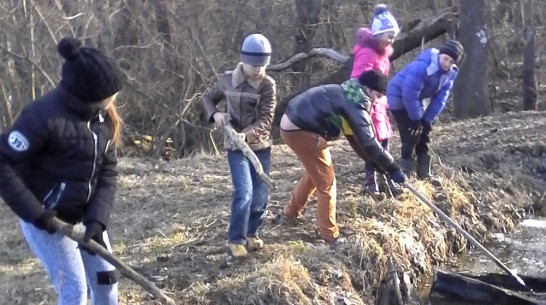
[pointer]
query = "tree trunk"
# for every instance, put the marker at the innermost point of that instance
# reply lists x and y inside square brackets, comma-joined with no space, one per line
[518,15]
[308,18]
[529,81]
[334,31]
[470,93]
[21,73]
[366,7]
[162,19]
[104,31]
[432,5]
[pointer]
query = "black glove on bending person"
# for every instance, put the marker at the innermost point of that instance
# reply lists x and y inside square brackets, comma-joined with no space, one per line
[93,231]
[45,221]
[427,126]
[415,127]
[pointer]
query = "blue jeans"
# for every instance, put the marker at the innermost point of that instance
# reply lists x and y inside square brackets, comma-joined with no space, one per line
[72,270]
[250,195]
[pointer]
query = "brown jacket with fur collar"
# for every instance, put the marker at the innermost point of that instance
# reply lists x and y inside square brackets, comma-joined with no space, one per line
[250,104]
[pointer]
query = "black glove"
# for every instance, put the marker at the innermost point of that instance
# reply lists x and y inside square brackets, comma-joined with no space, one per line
[45,221]
[415,127]
[93,230]
[397,176]
[427,126]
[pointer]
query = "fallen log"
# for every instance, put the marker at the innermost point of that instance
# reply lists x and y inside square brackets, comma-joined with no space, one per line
[489,289]
[333,54]
[424,30]
[68,230]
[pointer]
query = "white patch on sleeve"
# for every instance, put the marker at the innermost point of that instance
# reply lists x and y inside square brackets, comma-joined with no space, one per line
[482,36]
[17,141]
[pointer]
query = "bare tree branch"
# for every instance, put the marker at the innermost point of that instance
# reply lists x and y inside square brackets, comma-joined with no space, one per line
[195,35]
[333,54]
[44,73]
[249,154]
[46,24]
[72,17]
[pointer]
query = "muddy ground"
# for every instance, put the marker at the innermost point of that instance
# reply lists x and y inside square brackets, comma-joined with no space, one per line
[170,222]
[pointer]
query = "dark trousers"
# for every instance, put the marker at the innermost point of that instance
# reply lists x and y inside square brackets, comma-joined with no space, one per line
[410,143]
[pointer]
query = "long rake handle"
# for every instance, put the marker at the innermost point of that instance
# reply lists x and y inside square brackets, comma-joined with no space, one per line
[136,277]
[466,235]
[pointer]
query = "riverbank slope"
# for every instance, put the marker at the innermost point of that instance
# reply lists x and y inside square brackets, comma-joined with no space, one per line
[171,218]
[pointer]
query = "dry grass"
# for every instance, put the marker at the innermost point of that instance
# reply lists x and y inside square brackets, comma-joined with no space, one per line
[171,218]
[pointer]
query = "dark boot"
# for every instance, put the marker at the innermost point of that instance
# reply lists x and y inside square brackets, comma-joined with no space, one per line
[423,167]
[408,165]
[370,184]
[424,172]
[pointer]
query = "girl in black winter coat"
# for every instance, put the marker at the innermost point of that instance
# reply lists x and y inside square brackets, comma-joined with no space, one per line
[58,159]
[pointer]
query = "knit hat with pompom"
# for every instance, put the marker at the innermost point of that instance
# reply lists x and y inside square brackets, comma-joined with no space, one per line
[88,73]
[383,21]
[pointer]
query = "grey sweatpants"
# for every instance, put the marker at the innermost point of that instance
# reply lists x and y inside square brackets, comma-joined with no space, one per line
[72,270]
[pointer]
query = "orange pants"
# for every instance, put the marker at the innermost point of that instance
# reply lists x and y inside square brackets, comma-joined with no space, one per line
[318,175]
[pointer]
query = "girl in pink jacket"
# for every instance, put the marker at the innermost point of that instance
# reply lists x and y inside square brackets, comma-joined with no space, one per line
[372,49]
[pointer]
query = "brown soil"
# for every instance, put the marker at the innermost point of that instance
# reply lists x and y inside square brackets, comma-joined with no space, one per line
[170,222]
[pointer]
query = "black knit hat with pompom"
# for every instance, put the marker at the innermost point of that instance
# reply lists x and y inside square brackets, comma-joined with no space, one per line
[88,73]
[375,80]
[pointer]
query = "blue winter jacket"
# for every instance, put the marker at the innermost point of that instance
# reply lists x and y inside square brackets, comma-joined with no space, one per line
[422,78]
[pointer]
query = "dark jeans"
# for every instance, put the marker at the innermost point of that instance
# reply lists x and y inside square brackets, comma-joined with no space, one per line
[250,195]
[410,143]
[369,165]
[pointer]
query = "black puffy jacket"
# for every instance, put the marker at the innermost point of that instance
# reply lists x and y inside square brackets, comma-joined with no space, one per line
[324,109]
[58,155]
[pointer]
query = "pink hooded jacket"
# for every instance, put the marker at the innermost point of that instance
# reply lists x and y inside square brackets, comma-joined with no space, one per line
[368,56]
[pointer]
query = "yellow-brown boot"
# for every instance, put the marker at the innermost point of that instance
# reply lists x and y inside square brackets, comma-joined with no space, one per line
[254,243]
[238,250]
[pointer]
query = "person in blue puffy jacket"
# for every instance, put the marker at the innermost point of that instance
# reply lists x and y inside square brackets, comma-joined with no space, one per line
[432,76]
